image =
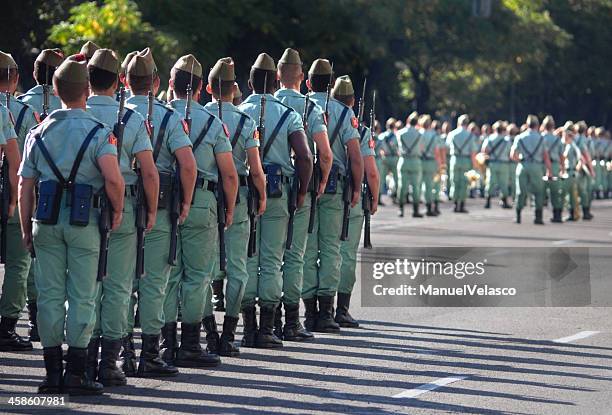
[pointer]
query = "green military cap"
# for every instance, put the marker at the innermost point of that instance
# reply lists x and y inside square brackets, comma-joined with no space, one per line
[343,86]
[128,58]
[237,91]
[50,57]
[73,70]
[189,64]
[142,64]
[291,56]
[7,61]
[320,67]
[223,69]
[105,59]
[89,48]
[264,62]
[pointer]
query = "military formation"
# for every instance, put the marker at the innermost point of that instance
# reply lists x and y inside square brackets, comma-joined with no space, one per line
[121,210]
[567,167]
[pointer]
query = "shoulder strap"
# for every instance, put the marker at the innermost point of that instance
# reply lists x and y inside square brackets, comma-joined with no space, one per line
[362,134]
[414,144]
[309,112]
[127,115]
[465,143]
[431,143]
[47,156]
[203,133]
[239,128]
[557,141]
[495,147]
[160,134]
[334,136]
[275,132]
[81,153]
[20,118]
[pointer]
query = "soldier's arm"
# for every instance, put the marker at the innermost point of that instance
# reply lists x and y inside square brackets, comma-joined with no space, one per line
[11,150]
[354,154]
[188,170]
[114,186]
[303,162]
[547,163]
[227,170]
[373,178]
[257,176]
[26,209]
[150,181]
[326,158]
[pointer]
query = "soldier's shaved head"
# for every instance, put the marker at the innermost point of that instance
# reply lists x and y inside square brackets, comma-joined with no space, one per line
[290,74]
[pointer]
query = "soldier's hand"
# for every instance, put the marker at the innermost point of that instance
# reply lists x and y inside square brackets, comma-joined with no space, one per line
[151,219]
[229,218]
[374,208]
[184,212]
[321,189]
[301,197]
[26,240]
[355,199]
[262,206]
[116,222]
[11,209]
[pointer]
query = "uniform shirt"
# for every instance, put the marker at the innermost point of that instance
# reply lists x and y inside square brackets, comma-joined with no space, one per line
[175,136]
[461,142]
[7,132]
[316,120]
[28,120]
[34,98]
[572,155]
[280,151]
[554,146]
[581,143]
[135,137]
[530,146]
[389,145]
[410,143]
[429,142]
[346,132]
[366,143]
[215,141]
[498,147]
[247,138]
[606,149]
[63,132]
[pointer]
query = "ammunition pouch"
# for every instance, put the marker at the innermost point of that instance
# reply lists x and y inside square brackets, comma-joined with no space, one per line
[80,204]
[274,181]
[49,201]
[332,182]
[165,190]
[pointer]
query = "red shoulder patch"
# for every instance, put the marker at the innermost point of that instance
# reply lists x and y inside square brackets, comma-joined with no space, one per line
[371,143]
[354,122]
[112,139]
[256,135]
[185,126]
[226,130]
[37,117]
[149,128]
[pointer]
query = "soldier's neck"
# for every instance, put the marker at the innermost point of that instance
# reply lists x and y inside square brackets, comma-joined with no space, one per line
[295,86]
[75,105]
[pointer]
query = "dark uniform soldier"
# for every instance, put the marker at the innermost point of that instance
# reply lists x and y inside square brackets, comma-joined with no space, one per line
[73,157]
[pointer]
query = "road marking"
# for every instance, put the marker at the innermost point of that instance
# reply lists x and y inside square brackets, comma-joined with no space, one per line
[577,336]
[565,242]
[419,390]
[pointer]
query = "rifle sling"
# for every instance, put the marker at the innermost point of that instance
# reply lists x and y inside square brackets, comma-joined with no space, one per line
[160,134]
[203,133]
[275,132]
[495,156]
[20,118]
[239,128]
[531,154]
[334,136]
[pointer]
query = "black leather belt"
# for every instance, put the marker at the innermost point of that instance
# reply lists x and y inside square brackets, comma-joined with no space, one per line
[202,183]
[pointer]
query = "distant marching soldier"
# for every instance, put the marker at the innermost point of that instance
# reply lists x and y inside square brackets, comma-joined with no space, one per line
[44,67]
[431,162]
[554,144]
[462,144]
[409,169]
[601,149]
[587,173]
[572,160]
[497,147]
[388,152]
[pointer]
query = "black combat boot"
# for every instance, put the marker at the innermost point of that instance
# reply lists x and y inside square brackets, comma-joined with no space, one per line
[488,203]
[518,215]
[265,337]
[128,355]
[278,321]
[92,358]
[505,204]
[218,297]
[570,216]
[76,381]
[586,213]
[430,211]
[293,330]
[151,364]
[343,318]
[226,343]
[538,217]
[249,321]
[212,335]
[462,208]
[32,314]
[437,207]
[311,313]
[401,210]
[325,321]
[169,342]
[10,341]
[191,354]
[556,216]
[108,373]
[456,210]
[54,366]
[415,211]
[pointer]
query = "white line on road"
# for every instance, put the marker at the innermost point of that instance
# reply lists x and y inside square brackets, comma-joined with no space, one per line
[577,336]
[565,242]
[419,390]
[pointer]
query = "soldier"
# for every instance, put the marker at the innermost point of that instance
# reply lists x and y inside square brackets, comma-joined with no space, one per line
[291,76]
[511,133]
[530,151]
[497,147]
[586,174]
[66,238]
[344,92]
[442,163]
[322,258]
[571,160]
[600,146]
[17,259]
[88,49]
[171,146]
[462,144]
[431,162]
[388,152]
[283,132]
[409,169]
[115,290]
[554,145]
[243,135]
[191,278]
[17,123]
[44,67]
[123,73]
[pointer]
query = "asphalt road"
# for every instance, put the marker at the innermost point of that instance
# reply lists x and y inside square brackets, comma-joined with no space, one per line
[402,360]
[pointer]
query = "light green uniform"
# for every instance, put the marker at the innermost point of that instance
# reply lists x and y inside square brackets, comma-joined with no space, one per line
[429,165]
[17,270]
[555,187]
[531,147]
[34,98]
[498,170]
[602,148]
[387,142]
[293,266]
[115,290]
[322,257]
[237,235]
[462,144]
[409,169]
[349,248]
[572,155]
[67,255]
[265,275]
[152,288]
[584,180]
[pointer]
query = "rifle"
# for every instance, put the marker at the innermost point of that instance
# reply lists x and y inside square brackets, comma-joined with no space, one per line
[292,208]
[261,132]
[221,199]
[5,189]
[366,197]
[316,177]
[45,106]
